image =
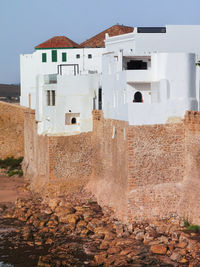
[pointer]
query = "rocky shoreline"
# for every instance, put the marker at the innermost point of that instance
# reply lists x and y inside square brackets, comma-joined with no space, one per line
[75,231]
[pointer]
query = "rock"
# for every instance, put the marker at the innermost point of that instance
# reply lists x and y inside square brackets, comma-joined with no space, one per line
[123,242]
[44,261]
[175,256]
[71,219]
[171,247]
[49,241]
[183,260]
[182,244]
[105,244]
[158,249]
[147,238]
[120,261]
[53,203]
[109,236]
[100,258]
[114,250]
[139,236]
[184,237]
[164,239]
[175,236]
[126,251]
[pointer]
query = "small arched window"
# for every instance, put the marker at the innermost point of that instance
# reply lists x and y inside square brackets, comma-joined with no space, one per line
[73,121]
[138,97]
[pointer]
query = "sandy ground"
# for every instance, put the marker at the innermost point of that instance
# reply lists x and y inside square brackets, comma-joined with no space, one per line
[11,188]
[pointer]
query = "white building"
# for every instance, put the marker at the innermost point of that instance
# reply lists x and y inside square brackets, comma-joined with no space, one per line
[65,106]
[61,80]
[150,76]
[147,76]
[60,55]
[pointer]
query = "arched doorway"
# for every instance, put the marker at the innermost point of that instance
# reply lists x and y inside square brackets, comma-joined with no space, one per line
[73,121]
[138,97]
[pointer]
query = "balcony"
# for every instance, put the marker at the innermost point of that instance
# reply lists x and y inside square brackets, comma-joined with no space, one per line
[138,76]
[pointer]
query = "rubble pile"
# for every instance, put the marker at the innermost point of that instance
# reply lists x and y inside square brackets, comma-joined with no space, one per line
[79,233]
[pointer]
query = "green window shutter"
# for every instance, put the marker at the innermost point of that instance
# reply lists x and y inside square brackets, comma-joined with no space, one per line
[64,57]
[44,57]
[54,55]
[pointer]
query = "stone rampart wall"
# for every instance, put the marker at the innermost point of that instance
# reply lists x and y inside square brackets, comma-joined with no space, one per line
[156,169]
[109,181]
[70,161]
[56,164]
[142,172]
[11,130]
[190,202]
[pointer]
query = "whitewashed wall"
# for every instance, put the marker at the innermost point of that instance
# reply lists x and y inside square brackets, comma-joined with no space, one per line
[168,91]
[73,94]
[31,65]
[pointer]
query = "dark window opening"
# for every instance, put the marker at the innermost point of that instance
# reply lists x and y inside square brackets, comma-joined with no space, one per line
[73,121]
[138,97]
[51,98]
[136,65]
[44,57]
[89,55]
[54,55]
[64,57]
[151,29]
[78,56]
[100,98]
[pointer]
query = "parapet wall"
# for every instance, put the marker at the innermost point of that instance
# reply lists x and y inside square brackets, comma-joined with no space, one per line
[11,130]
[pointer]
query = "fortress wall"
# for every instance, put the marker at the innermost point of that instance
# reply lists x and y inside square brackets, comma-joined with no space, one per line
[70,161]
[11,130]
[109,181]
[156,170]
[55,164]
[36,155]
[142,172]
[189,207]
[138,170]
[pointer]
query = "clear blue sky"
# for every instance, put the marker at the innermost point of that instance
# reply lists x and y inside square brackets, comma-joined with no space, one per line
[26,23]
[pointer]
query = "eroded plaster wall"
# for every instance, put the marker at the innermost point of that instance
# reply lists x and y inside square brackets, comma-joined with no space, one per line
[109,181]
[156,170]
[55,164]
[11,130]
[189,206]
[141,172]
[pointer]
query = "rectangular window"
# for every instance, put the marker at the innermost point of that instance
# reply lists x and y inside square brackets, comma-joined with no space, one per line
[89,55]
[78,56]
[64,57]
[51,97]
[44,57]
[54,55]
[48,98]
